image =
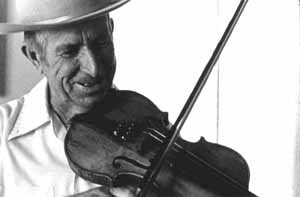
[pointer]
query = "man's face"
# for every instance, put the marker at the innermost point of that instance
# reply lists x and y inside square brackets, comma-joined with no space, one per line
[79,64]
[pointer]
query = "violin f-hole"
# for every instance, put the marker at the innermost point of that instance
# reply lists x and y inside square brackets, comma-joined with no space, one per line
[116,162]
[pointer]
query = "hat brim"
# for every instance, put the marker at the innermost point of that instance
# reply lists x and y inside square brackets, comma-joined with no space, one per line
[7,28]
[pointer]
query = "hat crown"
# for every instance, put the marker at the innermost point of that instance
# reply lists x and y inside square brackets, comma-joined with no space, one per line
[29,15]
[36,11]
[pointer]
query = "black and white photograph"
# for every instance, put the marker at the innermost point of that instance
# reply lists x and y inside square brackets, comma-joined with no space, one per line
[149,98]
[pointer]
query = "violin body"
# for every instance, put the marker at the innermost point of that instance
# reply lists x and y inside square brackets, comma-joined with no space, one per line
[115,144]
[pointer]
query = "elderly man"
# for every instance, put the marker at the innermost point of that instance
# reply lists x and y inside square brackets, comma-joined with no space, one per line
[70,42]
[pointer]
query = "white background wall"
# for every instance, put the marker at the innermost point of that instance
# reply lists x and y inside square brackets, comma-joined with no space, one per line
[259,86]
[250,100]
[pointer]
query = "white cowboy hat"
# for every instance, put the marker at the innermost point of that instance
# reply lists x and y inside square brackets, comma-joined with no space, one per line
[37,14]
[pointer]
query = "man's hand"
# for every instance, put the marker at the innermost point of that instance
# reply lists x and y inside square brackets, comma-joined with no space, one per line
[123,192]
[107,192]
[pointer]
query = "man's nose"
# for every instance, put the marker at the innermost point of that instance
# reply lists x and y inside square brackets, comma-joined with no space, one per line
[88,62]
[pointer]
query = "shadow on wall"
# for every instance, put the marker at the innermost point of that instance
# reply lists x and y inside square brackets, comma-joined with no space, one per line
[296,186]
[3,40]
[2,65]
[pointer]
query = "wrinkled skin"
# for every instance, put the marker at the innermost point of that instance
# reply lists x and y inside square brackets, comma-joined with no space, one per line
[79,64]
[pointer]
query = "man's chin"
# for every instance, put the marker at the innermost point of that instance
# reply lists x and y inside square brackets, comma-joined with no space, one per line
[88,103]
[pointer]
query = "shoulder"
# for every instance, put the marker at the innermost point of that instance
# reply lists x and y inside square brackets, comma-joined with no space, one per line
[9,113]
[20,113]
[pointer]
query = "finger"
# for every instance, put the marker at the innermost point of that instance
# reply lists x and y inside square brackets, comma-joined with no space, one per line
[99,191]
[123,191]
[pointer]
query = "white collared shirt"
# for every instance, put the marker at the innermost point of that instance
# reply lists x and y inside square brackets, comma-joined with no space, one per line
[32,158]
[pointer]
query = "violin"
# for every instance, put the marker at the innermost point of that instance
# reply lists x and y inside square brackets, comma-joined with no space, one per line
[114,145]
[126,140]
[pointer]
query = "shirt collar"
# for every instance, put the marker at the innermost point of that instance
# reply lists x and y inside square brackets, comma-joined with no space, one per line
[35,111]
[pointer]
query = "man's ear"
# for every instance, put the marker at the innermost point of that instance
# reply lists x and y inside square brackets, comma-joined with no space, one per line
[32,56]
[111,25]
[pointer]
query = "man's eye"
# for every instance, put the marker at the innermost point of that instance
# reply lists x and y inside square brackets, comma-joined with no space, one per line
[70,52]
